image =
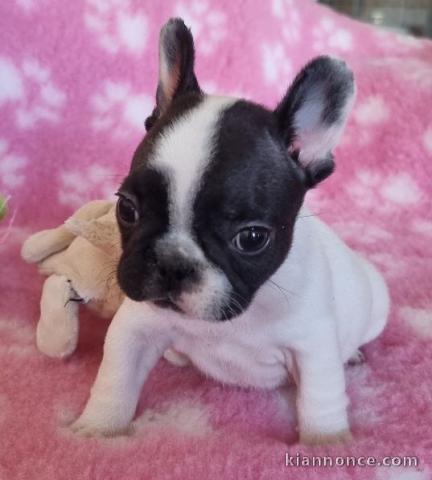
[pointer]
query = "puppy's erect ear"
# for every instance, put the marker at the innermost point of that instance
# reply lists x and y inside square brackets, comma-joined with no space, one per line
[313,113]
[176,66]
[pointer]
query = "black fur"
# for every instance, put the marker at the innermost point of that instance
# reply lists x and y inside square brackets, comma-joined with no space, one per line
[251,179]
[148,189]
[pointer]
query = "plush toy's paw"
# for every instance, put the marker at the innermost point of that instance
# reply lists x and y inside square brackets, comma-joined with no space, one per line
[57,329]
[54,345]
[315,439]
[357,358]
[85,428]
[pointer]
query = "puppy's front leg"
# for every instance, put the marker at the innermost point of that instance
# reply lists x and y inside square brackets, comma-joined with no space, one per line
[133,344]
[321,397]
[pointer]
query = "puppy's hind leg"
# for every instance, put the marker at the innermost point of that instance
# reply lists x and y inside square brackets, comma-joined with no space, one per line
[380,303]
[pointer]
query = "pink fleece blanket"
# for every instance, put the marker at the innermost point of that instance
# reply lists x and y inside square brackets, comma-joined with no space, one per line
[77,81]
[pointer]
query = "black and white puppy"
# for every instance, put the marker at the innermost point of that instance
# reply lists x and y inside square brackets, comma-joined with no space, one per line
[216,264]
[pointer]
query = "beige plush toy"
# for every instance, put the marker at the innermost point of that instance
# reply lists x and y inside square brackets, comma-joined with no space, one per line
[80,259]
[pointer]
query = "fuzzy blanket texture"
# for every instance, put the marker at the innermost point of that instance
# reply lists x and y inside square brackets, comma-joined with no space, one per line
[77,80]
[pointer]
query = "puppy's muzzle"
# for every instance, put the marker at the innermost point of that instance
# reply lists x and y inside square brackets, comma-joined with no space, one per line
[176,274]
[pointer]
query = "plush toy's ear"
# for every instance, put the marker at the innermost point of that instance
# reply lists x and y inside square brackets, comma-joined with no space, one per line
[176,66]
[313,113]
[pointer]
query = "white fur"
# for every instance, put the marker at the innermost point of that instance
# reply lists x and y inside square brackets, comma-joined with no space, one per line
[184,153]
[331,303]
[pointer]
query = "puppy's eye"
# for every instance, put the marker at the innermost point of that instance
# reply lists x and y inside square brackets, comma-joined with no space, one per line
[126,211]
[252,240]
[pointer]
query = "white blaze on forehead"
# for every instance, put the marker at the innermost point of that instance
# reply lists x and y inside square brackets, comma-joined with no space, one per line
[183,153]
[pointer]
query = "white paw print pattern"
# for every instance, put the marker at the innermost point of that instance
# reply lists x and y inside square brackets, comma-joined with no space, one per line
[396,41]
[277,67]
[414,70]
[120,111]
[16,338]
[206,22]
[371,190]
[80,186]
[33,92]
[355,231]
[186,417]
[401,473]
[117,25]
[11,167]
[367,396]
[328,36]
[28,5]
[422,226]
[419,319]
[369,113]
[394,266]
[290,18]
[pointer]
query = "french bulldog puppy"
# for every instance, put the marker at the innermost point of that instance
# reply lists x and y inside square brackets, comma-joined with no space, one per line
[220,261]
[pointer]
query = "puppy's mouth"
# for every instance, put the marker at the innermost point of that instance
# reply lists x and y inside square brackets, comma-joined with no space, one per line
[166,302]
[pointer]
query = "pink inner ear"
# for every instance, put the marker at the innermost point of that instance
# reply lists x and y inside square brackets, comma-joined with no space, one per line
[169,77]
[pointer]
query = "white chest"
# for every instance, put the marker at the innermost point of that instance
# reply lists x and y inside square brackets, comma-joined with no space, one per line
[243,358]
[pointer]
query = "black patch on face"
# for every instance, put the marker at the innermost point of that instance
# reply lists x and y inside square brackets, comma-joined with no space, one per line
[148,189]
[251,180]
[142,273]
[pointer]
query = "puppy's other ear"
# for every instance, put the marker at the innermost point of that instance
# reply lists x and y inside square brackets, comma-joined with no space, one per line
[313,113]
[176,66]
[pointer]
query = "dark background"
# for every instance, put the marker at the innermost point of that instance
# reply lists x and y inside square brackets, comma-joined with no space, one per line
[408,16]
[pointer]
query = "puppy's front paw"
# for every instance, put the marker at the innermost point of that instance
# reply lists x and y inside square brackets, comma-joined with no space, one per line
[316,439]
[86,428]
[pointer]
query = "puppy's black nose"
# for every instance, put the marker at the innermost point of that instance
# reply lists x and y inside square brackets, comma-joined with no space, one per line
[176,275]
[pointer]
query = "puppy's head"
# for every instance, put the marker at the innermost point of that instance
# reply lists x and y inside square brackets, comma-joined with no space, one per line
[207,211]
